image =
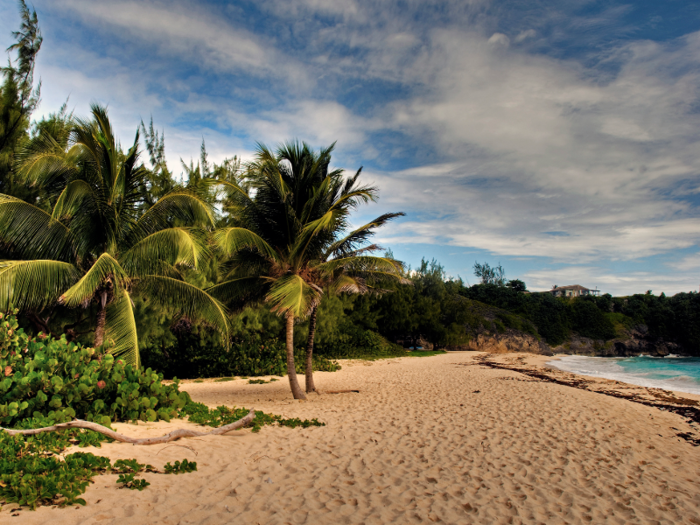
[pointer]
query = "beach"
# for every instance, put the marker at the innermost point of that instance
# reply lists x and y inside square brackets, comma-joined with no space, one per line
[440,439]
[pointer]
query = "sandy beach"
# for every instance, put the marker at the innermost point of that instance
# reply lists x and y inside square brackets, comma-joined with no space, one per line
[435,439]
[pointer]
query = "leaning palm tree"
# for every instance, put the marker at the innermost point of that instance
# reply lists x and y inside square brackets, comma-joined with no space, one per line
[278,250]
[351,270]
[98,247]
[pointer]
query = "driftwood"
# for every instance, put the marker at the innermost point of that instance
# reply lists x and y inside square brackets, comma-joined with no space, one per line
[172,436]
[342,392]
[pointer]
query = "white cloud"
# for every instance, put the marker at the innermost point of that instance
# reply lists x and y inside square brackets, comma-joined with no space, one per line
[187,31]
[687,263]
[542,147]
[524,35]
[608,282]
[499,41]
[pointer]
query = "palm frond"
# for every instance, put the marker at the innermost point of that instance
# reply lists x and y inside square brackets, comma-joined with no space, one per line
[362,263]
[353,198]
[184,298]
[311,230]
[292,294]
[105,268]
[233,240]
[120,329]
[347,284]
[239,292]
[42,161]
[174,246]
[31,233]
[32,285]
[179,204]
[351,242]
[71,199]
[231,186]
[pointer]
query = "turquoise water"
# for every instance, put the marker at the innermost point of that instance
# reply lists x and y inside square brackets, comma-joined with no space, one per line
[670,373]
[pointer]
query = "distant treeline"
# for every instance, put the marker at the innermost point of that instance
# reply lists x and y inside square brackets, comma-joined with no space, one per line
[444,313]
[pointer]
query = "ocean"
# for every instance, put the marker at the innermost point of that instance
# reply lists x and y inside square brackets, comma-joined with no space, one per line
[670,373]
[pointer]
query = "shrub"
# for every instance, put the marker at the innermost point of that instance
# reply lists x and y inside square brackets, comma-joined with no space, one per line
[252,356]
[52,378]
[357,343]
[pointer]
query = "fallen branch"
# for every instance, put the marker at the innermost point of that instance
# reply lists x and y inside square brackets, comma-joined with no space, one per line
[172,436]
[342,392]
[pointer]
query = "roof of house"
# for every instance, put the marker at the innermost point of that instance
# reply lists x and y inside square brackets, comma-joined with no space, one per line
[572,287]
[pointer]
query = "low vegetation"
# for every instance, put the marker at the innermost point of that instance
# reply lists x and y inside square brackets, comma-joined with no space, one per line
[48,381]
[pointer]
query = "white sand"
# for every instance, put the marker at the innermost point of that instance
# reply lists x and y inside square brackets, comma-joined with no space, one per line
[417,444]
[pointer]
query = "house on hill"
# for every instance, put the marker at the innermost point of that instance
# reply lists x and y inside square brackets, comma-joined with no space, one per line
[574,290]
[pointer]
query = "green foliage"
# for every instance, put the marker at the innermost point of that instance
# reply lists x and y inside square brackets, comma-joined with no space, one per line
[490,275]
[180,467]
[260,381]
[220,416]
[127,470]
[125,466]
[129,481]
[355,343]
[62,381]
[589,321]
[198,354]
[30,473]
[18,100]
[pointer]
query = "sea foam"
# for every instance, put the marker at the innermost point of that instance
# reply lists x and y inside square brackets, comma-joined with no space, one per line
[681,374]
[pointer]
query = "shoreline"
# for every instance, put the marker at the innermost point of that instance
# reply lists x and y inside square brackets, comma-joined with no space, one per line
[557,357]
[443,439]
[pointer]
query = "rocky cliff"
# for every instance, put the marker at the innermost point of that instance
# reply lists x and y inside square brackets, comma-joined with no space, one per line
[632,343]
[509,341]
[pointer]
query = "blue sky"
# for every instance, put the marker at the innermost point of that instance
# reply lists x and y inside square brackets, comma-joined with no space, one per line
[557,138]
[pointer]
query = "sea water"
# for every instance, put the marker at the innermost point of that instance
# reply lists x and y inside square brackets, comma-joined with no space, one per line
[670,373]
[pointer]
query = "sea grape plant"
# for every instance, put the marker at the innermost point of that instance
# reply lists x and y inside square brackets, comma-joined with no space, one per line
[44,376]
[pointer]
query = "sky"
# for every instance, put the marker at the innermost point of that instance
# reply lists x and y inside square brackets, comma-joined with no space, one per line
[556,138]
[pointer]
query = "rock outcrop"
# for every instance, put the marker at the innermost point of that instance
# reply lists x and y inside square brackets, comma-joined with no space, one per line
[509,341]
[634,342]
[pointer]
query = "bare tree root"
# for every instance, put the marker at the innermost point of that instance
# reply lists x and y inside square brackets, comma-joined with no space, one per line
[172,436]
[341,391]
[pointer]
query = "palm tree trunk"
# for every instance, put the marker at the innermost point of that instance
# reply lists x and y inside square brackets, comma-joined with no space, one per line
[101,317]
[310,387]
[291,368]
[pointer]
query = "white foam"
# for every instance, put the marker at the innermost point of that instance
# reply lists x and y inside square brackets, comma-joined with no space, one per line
[609,368]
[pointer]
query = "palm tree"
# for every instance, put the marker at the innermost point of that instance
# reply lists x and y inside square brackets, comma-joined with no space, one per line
[285,243]
[350,270]
[98,246]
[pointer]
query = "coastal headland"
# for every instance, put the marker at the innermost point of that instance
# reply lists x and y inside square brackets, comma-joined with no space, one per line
[460,437]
